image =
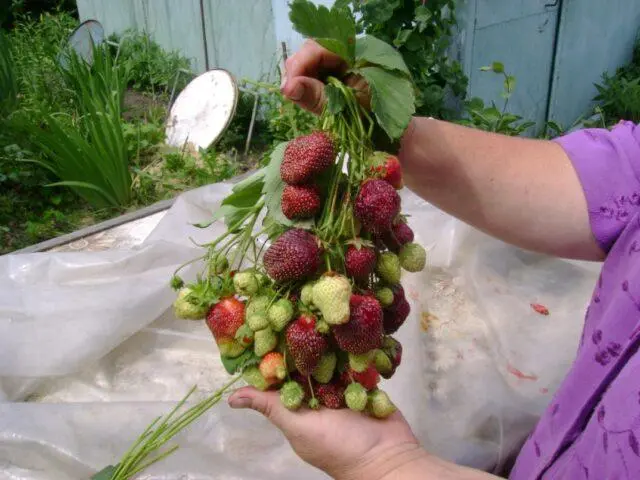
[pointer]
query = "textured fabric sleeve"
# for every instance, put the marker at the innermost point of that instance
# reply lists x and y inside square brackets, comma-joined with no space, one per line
[608,165]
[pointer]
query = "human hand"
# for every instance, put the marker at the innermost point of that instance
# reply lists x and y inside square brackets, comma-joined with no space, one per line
[344,444]
[302,81]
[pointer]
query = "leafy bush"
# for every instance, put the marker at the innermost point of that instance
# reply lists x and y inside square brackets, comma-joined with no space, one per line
[619,95]
[8,80]
[151,68]
[490,118]
[91,156]
[421,32]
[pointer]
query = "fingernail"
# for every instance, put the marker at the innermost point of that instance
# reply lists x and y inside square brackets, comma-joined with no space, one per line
[239,402]
[284,82]
[297,93]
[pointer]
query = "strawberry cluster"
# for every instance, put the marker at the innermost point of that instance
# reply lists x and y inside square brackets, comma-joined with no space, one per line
[318,313]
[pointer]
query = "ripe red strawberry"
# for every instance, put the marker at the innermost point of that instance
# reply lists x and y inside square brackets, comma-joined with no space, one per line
[396,314]
[364,330]
[224,319]
[377,205]
[359,263]
[305,343]
[399,235]
[331,395]
[306,157]
[368,379]
[300,201]
[293,256]
[387,167]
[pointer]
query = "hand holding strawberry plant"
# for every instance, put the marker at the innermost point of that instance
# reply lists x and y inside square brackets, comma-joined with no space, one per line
[302,292]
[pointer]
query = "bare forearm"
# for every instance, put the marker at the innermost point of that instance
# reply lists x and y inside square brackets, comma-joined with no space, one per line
[522,191]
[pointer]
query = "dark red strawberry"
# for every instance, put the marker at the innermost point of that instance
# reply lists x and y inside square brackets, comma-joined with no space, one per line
[387,167]
[399,235]
[393,349]
[305,344]
[300,201]
[306,157]
[331,395]
[359,263]
[293,256]
[396,314]
[377,205]
[224,319]
[364,330]
[368,379]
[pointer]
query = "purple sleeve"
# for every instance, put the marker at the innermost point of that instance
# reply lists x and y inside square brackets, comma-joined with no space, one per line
[608,165]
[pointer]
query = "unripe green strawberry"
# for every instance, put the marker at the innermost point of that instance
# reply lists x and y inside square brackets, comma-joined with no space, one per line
[314,404]
[257,322]
[187,306]
[331,295]
[280,314]
[382,363]
[325,368]
[292,395]
[218,264]
[264,342]
[306,295]
[356,397]
[385,296]
[258,305]
[246,283]
[388,268]
[380,405]
[244,335]
[360,363]
[253,377]
[413,257]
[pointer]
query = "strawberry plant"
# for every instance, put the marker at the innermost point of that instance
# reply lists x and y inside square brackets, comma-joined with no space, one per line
[303,291]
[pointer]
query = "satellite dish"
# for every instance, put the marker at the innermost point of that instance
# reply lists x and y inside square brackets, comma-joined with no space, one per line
[82,41]
[203,110]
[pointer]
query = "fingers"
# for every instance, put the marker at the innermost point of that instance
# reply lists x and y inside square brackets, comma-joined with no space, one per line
[307,92]
[302,81]
[266,403]
[313,61]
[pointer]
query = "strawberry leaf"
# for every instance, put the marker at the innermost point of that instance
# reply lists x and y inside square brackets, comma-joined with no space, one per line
[373,51]
[106,473]
[334,29]
[392,99]
[217,215]
[274,186]
[238,364]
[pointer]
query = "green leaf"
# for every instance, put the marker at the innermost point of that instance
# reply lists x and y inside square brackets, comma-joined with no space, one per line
[401,38]
[423,17]
[497,67]
[238,364]
[334,29]
[377,12]
[374,51]
[510,83]
[274,186]
[247,193]
[335,99]
[392,99]
[217,215]
[106,473]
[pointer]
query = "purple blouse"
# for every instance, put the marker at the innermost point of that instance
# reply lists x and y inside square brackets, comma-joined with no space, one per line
[591,429]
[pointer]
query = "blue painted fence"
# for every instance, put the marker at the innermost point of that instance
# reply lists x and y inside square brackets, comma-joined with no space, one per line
[556,49]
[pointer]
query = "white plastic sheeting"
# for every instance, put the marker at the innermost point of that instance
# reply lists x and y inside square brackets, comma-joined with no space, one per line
[88,338]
